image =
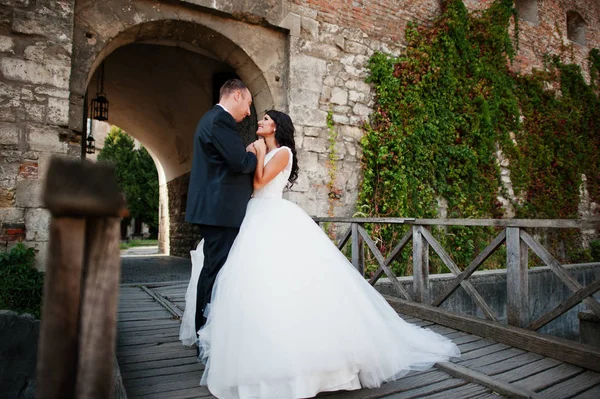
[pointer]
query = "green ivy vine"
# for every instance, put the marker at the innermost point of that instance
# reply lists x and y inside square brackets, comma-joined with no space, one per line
[447,106]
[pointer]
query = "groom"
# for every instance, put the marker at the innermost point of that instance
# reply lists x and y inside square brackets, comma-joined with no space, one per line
[220,184]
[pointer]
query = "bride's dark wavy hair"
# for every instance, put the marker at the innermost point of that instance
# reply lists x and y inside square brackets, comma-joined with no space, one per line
[284,136]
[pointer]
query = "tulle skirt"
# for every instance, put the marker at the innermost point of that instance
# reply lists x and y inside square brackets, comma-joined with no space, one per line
[291,317]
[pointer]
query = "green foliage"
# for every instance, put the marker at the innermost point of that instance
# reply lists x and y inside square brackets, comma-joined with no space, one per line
[21,285]
[448,104]
[595,250]
[136,175]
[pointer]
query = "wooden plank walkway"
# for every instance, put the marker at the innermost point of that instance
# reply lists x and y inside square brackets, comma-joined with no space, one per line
[154,364]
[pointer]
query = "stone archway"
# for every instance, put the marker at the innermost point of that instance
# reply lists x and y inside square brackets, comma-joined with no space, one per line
[159,66]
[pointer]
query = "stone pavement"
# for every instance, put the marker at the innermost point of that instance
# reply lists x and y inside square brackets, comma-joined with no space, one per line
[146,265]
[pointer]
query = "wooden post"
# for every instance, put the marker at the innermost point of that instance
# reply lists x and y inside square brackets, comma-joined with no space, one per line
[420,266]
[78,323]
[57,346]
[517,279]
[358,253]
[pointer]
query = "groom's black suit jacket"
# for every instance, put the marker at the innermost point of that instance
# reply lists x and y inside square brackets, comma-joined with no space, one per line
[221,179]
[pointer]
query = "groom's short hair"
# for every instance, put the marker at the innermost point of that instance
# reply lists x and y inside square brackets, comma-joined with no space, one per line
[231,86]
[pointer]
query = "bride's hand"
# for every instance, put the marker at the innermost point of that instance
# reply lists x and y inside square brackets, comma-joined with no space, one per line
[260,146]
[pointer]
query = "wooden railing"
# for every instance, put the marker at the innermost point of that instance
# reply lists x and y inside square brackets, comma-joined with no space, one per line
[513,235]
[76,350]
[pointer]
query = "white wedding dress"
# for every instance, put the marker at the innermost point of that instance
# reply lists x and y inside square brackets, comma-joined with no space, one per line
[291,317]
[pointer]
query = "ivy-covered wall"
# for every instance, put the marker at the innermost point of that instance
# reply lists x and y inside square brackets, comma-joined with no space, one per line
[455,128]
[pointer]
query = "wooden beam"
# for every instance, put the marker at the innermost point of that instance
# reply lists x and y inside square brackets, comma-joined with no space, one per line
[363,220]
[465,274]
[98,316]
[345,238]
[82,188]
[394,280]
[556,348]
[420,266]
[358,255]
[522,223]
[517,279]
[501,387]
[174,310]
[557,268]
[566,305]
[57,349]
[481,303]
[395,252]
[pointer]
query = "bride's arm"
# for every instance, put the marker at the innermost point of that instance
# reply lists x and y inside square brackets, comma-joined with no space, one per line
[264,174]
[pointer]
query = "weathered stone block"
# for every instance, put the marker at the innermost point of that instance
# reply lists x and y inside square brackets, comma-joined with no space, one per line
[351,131]
[308,117]
[8,90]
[8,113]
[7,44]
[29,193]
[9,134]
[8,168]
[45,138]
[58,111]
[15,3]
[51,19]
[356,48]
[32,112]
[7,198]
[342,109]
[35,72]
[356,96]
[47,52]
[38,224]
[12,215]
[339,96]
[310,28]
[315,144]
[52,92]
[361,110]
[359,86]
[27,95]
[292,22]
[315,132]
[340,119]
[307,73]
[304,98]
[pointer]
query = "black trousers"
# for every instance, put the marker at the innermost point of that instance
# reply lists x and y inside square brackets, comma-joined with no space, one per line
[217,243]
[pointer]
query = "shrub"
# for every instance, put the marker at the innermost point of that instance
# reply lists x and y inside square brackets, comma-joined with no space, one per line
[595,249]
[21,284]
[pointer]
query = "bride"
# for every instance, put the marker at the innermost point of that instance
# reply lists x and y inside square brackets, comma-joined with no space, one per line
[289,315]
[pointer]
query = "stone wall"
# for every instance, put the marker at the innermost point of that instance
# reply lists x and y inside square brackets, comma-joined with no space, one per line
[182,236]
[328,59]
[330,44]
[35,68]
[307,57]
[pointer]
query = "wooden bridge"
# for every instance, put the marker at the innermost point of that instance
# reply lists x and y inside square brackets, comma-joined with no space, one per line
[497,359]
[83,309]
